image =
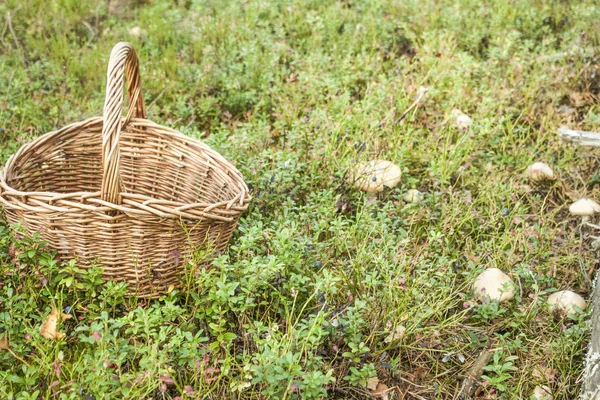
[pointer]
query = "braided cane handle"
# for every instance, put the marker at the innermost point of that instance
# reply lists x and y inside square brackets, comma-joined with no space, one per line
[123,62]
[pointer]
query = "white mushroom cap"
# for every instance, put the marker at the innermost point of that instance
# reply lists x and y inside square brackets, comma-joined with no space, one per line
[584,207]
[565,301]
[495,284]
[539,171]
[372,176]
[542,393]
[412,196]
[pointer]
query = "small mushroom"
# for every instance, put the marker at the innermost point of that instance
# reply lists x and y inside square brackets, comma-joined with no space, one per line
[494,284]
[412,196]
[539,171]
[584,207]
[542,393]
[565,301]
[371,177]
[462,121]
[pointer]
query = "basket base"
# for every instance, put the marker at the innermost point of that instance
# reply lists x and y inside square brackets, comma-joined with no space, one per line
[150,256]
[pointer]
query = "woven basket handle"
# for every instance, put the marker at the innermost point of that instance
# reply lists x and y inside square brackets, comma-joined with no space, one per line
[123,62]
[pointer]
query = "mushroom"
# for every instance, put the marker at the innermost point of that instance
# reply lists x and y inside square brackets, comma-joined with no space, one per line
[412,196]
[495,284]
[565,301]
[539,171]
[584,207]
[372,176]
[542,393]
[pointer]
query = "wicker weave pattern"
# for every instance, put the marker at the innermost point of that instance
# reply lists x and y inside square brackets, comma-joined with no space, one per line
[124,192]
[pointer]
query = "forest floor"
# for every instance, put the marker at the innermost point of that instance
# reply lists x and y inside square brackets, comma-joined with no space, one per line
[318,277]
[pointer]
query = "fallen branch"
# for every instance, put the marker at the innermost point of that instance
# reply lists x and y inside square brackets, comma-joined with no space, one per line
[5,346]
[12,31]
[157,98]
[565,54]
[422,92]
[591,375]
[92,32]
[580,138]
[474,375]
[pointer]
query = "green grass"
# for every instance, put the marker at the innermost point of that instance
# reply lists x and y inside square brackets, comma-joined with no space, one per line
[294,93]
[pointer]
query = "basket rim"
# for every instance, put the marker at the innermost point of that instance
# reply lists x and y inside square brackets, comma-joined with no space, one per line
[134,205]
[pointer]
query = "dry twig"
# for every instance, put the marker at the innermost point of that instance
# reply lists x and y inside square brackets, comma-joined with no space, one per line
[422,92]
[12,31]
[581,138]
[471,381]
[92,32]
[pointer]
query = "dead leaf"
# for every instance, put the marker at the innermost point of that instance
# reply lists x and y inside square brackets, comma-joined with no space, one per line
[462,120]
[564,109]
[176,256]
[275,133]
[292,78]
[579,99]
[119,7]
[397,334]
[170,288]
[573,195]
[50,325]
[342,205]
[381,146]
[544,374]
[381,391]
[4,343]
[372,383]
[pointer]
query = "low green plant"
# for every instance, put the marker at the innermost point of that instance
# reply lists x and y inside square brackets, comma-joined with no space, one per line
[322,287]
[499,371]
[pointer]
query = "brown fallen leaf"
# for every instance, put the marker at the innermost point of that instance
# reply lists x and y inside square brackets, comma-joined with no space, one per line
[381,391]
[544,374]
[49,327]
[292,78]
[397,334]
[4,343]
[342,205]
[573,195]
[580,99]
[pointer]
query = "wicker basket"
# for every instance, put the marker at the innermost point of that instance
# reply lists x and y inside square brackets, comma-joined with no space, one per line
[124,192]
